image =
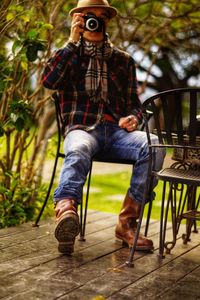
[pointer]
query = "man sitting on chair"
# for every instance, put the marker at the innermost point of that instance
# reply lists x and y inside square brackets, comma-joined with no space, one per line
[101,111]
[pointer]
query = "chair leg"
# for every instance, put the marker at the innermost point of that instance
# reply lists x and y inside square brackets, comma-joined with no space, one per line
[129,263]
[148,218]
[162,233]
[149,208]
[186,236]
[191,206]
[195,230]
[48,193]
[182,202]
[163,220]
[84,218]
[170,245]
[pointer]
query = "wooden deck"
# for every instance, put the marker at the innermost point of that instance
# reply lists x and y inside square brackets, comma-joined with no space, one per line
[31,267]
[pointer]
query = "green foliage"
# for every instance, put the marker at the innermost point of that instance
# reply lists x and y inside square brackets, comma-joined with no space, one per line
[24,33]
[20,115]
[16,205]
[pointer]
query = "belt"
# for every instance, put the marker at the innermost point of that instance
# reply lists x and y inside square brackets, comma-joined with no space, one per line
[108,118]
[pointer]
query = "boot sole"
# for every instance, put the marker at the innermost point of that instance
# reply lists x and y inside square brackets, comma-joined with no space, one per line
[138,248]
[66,232]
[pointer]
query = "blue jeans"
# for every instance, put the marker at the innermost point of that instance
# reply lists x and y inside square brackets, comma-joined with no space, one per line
[80,146]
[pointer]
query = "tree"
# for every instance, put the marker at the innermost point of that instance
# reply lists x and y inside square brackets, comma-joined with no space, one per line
[166,35]
[163,37]
[25,111]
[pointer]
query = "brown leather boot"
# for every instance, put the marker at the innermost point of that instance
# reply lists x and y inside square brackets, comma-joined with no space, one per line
[126,228]
[67,225]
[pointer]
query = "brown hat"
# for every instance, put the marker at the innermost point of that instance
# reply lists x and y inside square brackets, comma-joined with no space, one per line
[83,4]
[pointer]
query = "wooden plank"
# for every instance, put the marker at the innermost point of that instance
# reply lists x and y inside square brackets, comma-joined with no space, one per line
[14,230]
[29,253]
[186,288]
[30,233]
[30,257]
[93,262]
[168,281]
[37,239]
[148,280]
[31,267]
[39,246]
[36,250]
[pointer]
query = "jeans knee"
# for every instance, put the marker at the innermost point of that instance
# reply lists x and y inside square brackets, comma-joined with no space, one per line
[80,142]
[79,155]
[82,149]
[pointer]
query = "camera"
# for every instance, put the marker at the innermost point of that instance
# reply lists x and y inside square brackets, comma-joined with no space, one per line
[93,23]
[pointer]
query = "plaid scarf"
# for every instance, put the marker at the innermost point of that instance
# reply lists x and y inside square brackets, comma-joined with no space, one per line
[96,78]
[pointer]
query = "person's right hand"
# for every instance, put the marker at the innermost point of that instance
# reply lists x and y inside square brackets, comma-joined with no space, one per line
[77,26]
[130,123]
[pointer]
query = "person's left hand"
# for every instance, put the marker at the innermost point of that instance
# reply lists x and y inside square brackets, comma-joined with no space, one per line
[130,123]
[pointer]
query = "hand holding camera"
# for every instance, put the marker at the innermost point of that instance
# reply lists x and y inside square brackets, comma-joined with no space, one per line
[77,27]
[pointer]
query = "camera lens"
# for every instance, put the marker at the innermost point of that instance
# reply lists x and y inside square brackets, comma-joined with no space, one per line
[92,24]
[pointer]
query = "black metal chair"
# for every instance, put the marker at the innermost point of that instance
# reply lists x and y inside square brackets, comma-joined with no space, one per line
[176,121]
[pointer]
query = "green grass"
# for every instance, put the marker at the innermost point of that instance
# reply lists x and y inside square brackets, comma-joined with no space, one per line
[107,193]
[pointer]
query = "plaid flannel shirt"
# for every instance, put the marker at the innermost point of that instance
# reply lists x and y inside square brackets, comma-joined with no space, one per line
[65,72]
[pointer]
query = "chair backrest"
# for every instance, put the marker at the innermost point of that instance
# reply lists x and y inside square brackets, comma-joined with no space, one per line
[59,123]
[176,120]
[59,120]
